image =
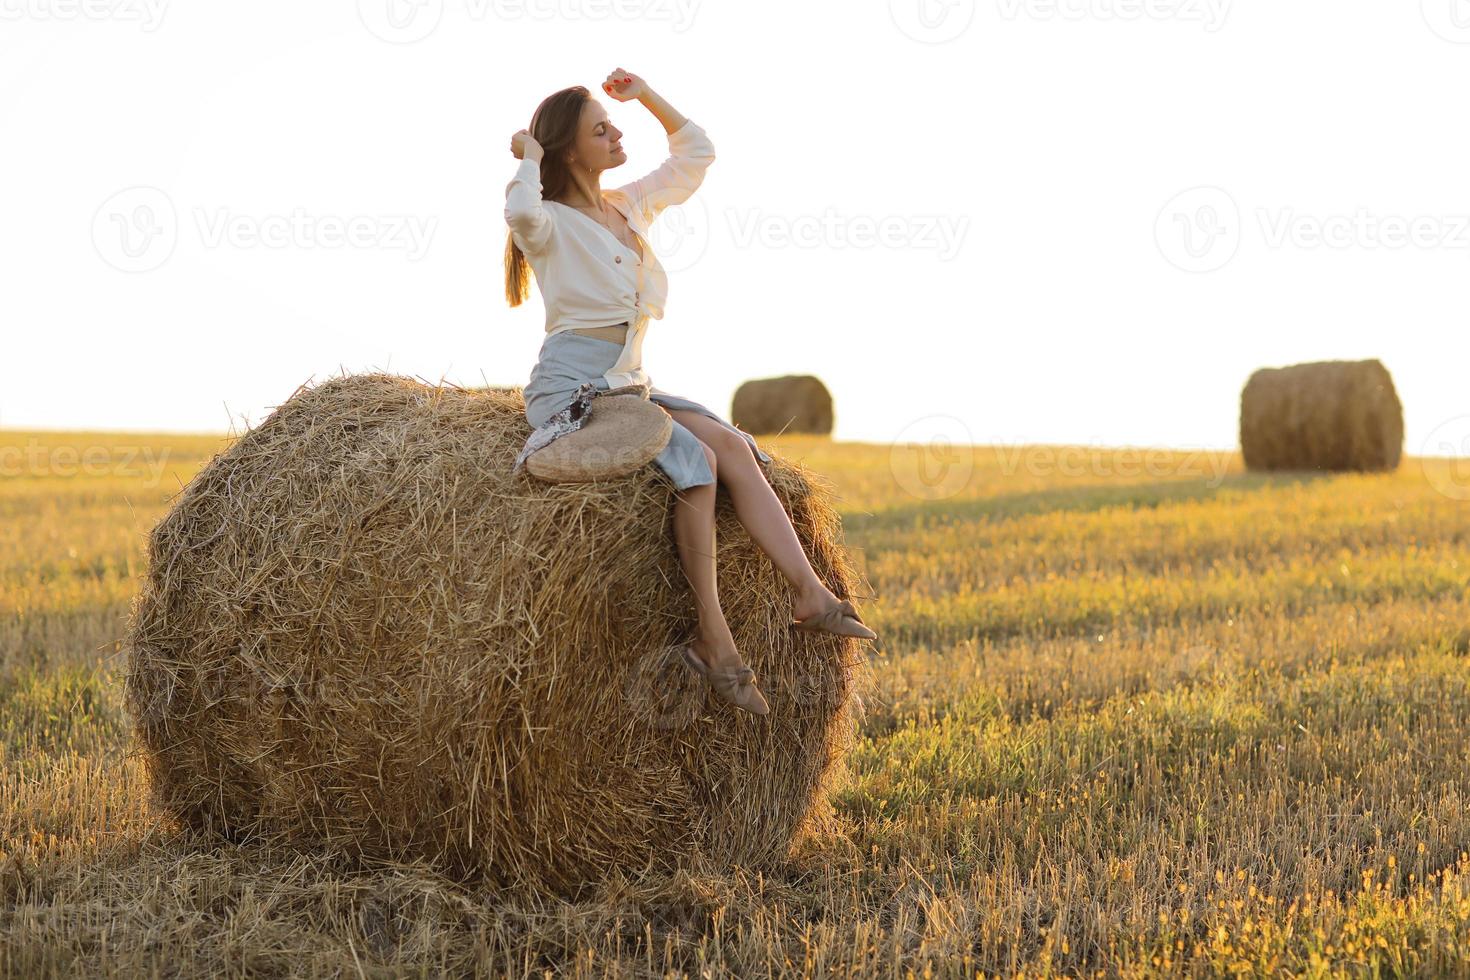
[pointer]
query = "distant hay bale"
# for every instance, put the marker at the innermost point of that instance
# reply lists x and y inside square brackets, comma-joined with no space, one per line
[1324,415]
[358,633]
[790,403]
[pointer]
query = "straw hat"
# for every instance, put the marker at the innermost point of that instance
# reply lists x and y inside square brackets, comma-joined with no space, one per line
[622,431]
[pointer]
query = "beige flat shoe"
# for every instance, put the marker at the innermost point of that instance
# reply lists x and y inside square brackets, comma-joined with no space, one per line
[734,684]
[841,619]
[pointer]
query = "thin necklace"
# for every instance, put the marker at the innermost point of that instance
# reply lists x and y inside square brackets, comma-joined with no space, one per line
[604,222]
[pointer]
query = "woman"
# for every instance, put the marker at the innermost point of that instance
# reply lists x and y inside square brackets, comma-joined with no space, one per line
[602,283]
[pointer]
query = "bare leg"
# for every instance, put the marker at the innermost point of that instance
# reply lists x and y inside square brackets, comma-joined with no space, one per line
[694,535]
[759,510]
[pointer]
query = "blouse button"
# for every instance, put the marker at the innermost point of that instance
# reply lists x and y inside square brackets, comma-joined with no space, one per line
[617,258]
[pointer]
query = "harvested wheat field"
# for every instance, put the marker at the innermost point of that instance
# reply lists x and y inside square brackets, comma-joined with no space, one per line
[1140,717]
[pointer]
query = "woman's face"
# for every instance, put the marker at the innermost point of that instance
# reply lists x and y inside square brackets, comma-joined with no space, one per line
[599,142]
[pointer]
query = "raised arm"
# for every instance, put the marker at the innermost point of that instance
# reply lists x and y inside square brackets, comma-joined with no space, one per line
[530,222]
[677,178]
[690,150]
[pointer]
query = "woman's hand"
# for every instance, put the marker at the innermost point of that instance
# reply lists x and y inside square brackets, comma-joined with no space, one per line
[623,85]
[524,146]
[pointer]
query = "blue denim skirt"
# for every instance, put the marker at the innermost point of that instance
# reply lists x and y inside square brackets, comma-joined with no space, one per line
[568,359]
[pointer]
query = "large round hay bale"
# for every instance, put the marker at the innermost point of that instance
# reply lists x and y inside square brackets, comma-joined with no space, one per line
[359,634]
[1322,415]
[790,403]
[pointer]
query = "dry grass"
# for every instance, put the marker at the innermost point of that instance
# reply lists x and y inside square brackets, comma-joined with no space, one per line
[1133,720]
[360,633]
[1324,415]
[791,403]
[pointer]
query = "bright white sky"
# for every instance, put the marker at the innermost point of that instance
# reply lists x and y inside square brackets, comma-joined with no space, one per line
[976,217]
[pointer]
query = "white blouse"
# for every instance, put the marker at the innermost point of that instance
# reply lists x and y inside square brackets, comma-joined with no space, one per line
[587,277]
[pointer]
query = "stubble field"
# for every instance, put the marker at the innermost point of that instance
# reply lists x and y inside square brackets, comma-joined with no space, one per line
[1134,714]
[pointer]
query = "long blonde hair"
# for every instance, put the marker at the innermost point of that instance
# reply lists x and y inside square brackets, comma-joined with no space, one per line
[554,126]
